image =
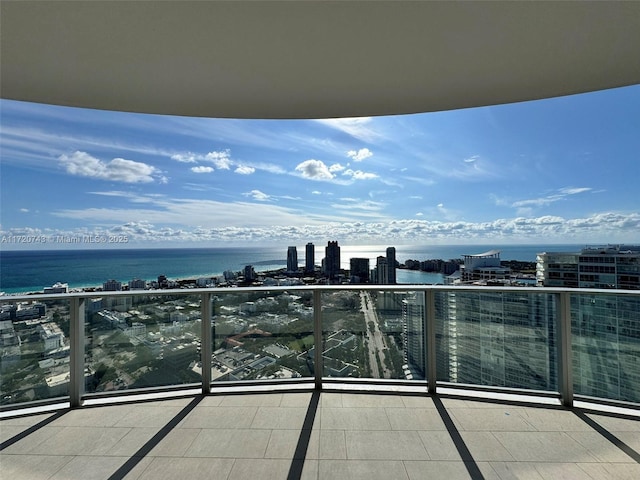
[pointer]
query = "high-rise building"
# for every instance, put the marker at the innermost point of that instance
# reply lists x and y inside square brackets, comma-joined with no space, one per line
[112,286]
[504,339]
[137,284]
[381,274]
[332,260]
[249,273]
[612,266]
[413,335]
[163,281]
[292,259]
[359,270]
[391,265]
[483,267]
[309,258]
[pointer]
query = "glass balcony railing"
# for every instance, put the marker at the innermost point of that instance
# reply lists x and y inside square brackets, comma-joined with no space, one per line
[567,343]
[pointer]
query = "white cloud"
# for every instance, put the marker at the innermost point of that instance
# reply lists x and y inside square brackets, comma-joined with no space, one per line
[440,205]
[221,159]
[245,170]
[314,170]
[316,192]
[257,195]
[573,191]
[357,127]
[549,199]
[187,157]
[356,204]
[336,167]
[117,170]
[191,221]
[189,214]
[202,169]
[359,174]
[132,197]
[360,155]
[24,210]
[471,159]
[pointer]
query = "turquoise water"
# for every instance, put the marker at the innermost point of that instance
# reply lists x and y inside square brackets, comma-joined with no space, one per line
[23,271]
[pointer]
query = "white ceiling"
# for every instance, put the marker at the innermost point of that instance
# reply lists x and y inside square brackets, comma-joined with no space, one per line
[312,59]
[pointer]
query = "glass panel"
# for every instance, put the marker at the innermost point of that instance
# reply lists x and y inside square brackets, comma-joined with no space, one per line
[142,341]
[262,335]
[498,339]
[606,346]
[34,343]
[373,334]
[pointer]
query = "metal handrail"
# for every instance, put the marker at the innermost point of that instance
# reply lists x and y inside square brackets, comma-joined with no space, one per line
[78,299]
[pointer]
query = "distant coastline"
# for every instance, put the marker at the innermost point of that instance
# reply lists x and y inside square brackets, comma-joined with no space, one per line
[32,270]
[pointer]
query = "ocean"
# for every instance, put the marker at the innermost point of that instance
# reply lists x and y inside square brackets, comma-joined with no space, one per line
[30,271]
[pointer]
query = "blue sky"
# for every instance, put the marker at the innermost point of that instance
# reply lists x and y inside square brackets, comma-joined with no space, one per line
[563,170]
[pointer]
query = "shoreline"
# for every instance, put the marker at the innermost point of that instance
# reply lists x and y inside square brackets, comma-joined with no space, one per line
[191,279]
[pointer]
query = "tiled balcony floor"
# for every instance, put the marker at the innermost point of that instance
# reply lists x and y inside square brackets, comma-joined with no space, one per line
[320,436]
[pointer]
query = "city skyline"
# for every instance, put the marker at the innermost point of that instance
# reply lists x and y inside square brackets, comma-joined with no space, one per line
[561,170]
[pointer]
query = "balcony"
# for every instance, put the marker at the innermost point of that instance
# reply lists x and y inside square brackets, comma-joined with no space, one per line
[519,382]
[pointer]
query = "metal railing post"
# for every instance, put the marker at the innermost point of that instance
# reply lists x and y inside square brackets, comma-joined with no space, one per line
[76,353]
[206,342]
[317,339]
[430,338]
[564,357]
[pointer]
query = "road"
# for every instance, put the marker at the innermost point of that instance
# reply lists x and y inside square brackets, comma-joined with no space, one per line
[376,340]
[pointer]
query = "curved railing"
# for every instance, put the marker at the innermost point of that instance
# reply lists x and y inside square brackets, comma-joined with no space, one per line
[560,343]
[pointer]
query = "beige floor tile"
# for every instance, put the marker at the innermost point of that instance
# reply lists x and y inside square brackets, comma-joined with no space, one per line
[551,420]
[417,401]
[560,471]
[361,470]
[30,467]
[149,416]
[175,443]
[544,447]
[253,400]
[252,468]
[81,441]
[133,441]
[485,447]
[284,444]
[516,471]
[332,445]
[439,445]
[354,419]
[417,470]
[279,417]
[489,420]
[616,424]
[600,447]
[187,468]
[31,441]
[231,443]
[365,400]
[302,399]
[219,417]
[89,468]
[415,419]
[389,445]
[612,471]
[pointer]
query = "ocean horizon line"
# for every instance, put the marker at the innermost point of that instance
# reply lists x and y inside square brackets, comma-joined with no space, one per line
[32,270]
